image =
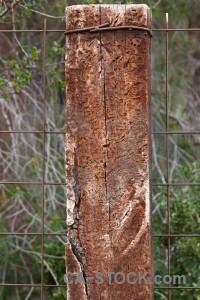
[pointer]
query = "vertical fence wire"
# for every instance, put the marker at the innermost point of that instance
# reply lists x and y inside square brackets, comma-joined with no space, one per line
[43,156]
[167,155]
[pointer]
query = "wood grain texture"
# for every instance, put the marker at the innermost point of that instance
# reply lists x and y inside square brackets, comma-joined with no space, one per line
[108,151]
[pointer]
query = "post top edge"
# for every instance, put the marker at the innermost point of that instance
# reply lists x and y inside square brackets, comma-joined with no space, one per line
[79,6]
[80,16]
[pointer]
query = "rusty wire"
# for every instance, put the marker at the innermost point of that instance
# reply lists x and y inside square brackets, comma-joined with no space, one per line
[107,27]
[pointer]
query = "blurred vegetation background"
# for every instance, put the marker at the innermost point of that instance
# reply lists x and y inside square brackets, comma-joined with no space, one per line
[21,107]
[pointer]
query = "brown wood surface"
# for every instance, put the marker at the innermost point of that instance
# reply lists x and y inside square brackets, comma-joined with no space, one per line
[108,151]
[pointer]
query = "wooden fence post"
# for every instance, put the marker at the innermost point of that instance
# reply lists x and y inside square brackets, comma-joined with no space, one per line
[108,153]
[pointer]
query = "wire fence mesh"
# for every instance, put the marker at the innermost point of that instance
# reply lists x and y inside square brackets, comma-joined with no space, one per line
[166,183]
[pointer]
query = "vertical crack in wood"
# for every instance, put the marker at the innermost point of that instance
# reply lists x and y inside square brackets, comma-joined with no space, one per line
[77,249]
[80,260]
[106,145]
[105,113]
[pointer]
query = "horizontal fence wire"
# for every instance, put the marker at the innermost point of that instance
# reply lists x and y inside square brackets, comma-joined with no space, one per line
[169,235]
[64,234]
[63,132]
[62,183]
[63,31]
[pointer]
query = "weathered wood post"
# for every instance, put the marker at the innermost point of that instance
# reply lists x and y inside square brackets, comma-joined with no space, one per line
[108,152]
